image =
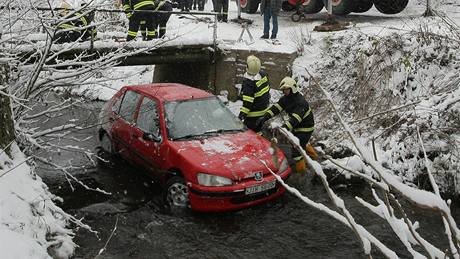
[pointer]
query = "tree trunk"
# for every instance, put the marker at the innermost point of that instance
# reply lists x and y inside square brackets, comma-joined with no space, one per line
[6,121]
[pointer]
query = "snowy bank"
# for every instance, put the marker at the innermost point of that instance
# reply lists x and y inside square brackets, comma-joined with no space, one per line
[31,225]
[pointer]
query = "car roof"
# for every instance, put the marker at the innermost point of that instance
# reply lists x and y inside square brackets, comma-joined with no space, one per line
[170,91]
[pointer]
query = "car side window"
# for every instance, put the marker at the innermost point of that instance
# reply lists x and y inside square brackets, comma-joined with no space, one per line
[128,105]
[148,119]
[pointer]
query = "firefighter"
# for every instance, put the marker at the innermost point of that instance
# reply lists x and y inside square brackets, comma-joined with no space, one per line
[136,18]
[221,7]
[255,92]
[161,19]
[301,122]
[77,27]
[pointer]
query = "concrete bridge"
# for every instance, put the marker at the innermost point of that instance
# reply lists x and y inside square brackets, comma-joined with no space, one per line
[213,67]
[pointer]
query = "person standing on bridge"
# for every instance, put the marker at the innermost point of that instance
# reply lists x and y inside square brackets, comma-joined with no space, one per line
[135,18]
[270,10]
[301,122]
[161,19]
[77,26]
[221,7]
[255,92]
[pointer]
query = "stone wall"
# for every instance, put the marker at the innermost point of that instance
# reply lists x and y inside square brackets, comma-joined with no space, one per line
[226,72]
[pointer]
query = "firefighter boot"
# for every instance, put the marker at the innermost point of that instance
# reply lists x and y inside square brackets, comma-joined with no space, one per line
[311,152]
[300,166]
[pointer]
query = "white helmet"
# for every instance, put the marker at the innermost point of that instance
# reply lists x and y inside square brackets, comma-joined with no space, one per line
[289,82]
[253,65]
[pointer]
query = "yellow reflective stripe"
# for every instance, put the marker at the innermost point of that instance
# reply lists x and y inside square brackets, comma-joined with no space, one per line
[297,158]
[257,113]
[163,28]
[248,98]
[129,15]
[126,7]
[160,5]
[244,110]
[261,81]
[142,4]
[304,129]
[289,125]
[151,33]
[142,22]
[307,113]
[262,92]
[295,115]
[66,26]
[82,19]
[278,107]
[271,113]
[132,33]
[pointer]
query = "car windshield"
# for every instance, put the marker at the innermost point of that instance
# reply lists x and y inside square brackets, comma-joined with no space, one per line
[199,117]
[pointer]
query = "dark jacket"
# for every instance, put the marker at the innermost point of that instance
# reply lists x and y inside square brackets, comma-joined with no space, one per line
[256,95]
[299,111]
[78,20]
[275,6]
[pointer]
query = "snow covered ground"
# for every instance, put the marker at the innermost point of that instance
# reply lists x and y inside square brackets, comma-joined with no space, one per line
[410,59]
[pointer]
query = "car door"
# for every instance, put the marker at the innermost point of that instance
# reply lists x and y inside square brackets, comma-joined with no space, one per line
[147,138]
[123,126]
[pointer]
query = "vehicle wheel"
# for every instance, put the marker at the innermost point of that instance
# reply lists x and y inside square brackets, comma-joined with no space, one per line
[295,17]
[341,7]
[287,7]
[312,6]
[362,6]
[176,196]
[106,150]
[390,6]
[249,6]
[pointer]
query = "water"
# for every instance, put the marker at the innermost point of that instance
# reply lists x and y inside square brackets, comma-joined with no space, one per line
[285,228]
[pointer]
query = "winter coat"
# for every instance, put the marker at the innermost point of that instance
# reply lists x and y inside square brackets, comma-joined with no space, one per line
[73,33]
[256,95]
[274,5]
[299,111]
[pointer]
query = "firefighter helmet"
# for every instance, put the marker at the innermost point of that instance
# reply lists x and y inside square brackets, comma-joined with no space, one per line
[289,82]
[253,65]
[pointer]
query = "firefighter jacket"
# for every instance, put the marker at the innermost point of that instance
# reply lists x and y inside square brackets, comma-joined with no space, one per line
[78,20]
[299,112]
[256,95]
[130,5]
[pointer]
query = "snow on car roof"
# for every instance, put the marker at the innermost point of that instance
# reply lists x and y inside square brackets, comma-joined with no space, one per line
[171,91]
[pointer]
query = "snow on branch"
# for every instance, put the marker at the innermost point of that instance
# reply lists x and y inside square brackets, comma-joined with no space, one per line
[421,198]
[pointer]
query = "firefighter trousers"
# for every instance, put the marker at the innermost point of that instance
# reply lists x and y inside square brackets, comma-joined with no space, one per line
[135,24]
[250,122]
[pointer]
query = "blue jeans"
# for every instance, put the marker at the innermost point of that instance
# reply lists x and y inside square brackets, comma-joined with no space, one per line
[267,15]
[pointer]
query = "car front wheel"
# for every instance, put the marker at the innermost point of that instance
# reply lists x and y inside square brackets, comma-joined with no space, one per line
[177,194]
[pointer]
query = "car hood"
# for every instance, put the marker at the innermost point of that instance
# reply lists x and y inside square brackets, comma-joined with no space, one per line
[236,156]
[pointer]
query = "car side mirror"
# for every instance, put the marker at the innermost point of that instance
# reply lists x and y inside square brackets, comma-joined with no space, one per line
[151,137]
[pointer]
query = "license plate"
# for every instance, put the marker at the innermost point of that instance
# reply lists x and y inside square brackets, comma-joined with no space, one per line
[260,188]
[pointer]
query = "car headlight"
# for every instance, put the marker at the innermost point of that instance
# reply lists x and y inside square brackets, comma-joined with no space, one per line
[284,165]
[213,180]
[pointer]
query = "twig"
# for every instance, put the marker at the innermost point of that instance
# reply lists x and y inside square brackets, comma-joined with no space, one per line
[102,250]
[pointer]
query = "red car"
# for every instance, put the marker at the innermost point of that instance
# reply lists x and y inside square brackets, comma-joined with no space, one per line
[194,145]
